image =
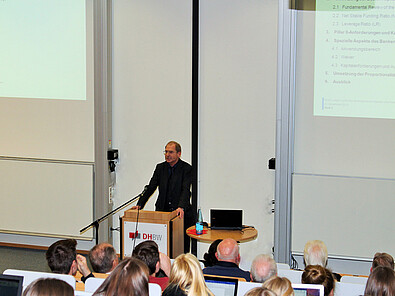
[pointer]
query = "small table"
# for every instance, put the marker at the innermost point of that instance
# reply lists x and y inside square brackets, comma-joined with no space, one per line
[245,235]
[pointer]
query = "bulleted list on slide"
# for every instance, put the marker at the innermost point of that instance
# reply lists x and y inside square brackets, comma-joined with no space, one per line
[354,74]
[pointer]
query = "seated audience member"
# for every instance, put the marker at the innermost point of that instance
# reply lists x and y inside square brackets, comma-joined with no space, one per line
[103,258]
[316,274]
[315,253]
[148,252]
[381,282]
[186,278]
[382,259]
[209,257]
[49,287]
[129,278]
[262,268]
[260,291]
[62,258]
[279,285]
[228,261]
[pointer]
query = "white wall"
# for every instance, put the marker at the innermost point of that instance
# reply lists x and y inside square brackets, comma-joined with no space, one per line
[151,89]
[238,57]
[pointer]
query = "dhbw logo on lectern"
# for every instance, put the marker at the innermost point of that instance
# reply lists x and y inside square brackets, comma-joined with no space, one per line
[145,236]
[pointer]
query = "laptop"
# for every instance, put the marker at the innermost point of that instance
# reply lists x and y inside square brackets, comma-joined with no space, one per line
[308,290]
[11,285]
[226,219]
[221,286]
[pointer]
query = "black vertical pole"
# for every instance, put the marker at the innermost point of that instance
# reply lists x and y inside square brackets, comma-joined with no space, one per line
[195,108]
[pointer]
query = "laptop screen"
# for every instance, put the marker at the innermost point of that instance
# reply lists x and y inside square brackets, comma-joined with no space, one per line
[308,290]
[11,285]
[220,286]
[226,219]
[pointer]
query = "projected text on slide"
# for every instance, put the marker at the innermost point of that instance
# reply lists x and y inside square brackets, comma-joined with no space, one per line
[43,49]
[355,58]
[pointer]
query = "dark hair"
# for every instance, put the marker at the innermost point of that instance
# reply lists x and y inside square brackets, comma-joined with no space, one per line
[129,278]
[316,274]
[147,252]
[61,254]
[209,257]
[381,282]
[49,287]
[383,259]
[102,257]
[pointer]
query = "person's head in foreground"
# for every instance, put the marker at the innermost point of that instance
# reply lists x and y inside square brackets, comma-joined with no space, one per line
[279,285]
[49,287]
[316,274]
[381,282]
[186,275]
[129,278]
[260,291]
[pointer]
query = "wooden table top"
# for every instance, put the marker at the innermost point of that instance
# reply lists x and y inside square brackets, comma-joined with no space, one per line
[210,235]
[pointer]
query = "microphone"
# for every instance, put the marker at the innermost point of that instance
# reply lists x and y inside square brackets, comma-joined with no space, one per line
[144,190]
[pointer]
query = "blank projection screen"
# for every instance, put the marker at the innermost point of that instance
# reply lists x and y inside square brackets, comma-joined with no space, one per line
[344,177]
[46,112]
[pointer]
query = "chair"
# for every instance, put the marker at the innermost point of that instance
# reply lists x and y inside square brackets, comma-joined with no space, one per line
[226,277]
[354,279]
[244,287]
[349,289]
[283,266]
[92,283]
[295,276]
[154,290]
[31,276]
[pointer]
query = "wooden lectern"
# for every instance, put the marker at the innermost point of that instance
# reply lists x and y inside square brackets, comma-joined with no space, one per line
[165,228]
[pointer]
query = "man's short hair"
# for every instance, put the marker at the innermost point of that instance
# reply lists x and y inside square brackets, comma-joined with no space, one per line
[148,252]
[102,257]
[178,146]
[383,259]
[263,267]
[315,253]
[61,254]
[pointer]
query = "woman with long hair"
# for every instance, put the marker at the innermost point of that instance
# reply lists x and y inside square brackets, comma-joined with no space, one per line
[316,274]
[129,278]
[186,278]
[49,287]
[279,285]
[381,282]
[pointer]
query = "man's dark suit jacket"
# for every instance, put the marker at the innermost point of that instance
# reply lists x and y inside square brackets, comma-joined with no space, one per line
[179,191]
[224,268]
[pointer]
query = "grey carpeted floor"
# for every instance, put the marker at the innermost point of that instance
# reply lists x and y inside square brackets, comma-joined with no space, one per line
[25,259]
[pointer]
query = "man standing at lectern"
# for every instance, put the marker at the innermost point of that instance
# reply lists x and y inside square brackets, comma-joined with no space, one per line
[174,178]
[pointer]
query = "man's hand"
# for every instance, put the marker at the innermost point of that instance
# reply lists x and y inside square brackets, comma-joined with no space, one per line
[180,213]
[136,208]
[82,265]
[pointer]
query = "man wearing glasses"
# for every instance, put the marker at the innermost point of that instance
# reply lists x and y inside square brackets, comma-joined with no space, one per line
[174,178]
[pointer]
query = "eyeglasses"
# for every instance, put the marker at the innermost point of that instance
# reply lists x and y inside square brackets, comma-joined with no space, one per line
[168,152]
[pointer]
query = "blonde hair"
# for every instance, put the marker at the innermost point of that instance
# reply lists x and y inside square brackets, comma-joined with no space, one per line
[279,285]
[260,291]
[187,274]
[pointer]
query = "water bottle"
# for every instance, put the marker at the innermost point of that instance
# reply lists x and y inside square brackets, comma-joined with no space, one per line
[199,223]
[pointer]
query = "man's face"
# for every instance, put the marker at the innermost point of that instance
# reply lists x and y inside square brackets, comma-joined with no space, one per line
[171,155]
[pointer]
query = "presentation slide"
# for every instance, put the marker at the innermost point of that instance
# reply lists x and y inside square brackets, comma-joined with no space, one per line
[43,49]
[354,73]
